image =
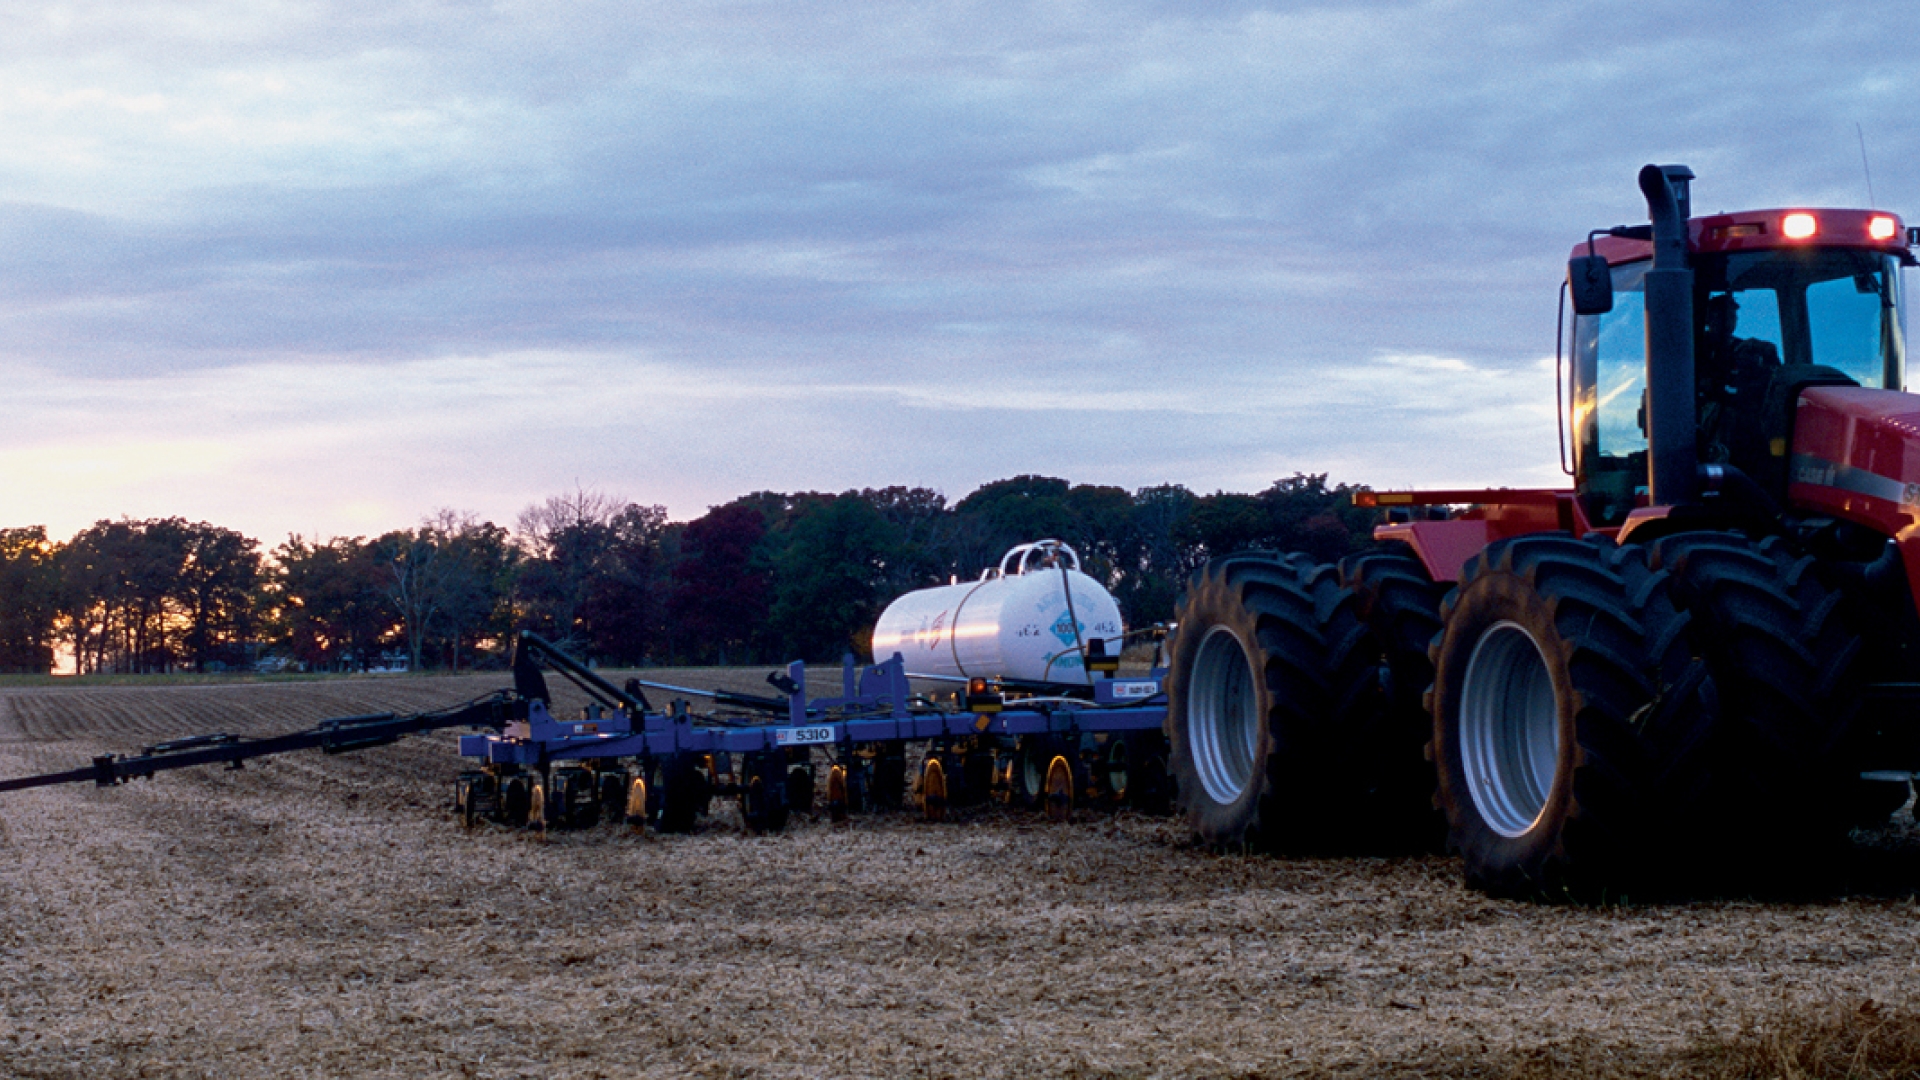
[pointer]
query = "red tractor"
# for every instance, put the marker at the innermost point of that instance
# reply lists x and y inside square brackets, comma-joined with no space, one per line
[1700,661]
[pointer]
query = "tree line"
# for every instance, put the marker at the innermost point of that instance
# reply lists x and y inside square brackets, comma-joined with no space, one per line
[768,577]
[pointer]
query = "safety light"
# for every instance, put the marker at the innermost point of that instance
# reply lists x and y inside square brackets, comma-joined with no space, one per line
[1799,226]
[1881,227]
[983,697]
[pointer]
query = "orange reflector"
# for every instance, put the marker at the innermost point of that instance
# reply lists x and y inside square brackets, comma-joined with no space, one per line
[1881,228]
[1799,226]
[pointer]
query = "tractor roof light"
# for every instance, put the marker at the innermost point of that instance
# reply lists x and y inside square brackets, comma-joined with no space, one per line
[1881,227]
[1799,225]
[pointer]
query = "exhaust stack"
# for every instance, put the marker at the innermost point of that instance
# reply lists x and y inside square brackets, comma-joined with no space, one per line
[1672,442]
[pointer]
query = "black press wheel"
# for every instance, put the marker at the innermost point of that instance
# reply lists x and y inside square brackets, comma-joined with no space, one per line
[612,787]
[763,792]
[887,787]
[685,788]
[800,787]
[1149,789]
[1571,720]
[516,800]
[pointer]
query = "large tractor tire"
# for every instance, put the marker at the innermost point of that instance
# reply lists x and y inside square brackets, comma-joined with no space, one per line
[1571,721]
[1785,662]
[1400,605]
[1268,664]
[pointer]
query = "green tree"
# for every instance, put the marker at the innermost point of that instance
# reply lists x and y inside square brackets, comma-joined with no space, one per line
[830,578]
[29,600]
[333,603]
[214,586]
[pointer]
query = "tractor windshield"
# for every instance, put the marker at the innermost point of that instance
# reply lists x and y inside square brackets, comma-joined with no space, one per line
[1760,318]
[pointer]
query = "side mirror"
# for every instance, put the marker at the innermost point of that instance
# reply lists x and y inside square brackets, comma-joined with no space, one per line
[1591,284]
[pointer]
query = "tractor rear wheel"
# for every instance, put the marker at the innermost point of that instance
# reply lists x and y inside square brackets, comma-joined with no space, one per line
[1571,721]
[1265,674]
[1400,606]
[1784,659]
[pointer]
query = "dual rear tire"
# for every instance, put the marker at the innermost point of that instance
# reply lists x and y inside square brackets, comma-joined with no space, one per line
[1643,719]
[1271,675]
[1601,720]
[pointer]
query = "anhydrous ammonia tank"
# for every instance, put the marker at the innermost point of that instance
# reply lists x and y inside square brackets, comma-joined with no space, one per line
[1031,619]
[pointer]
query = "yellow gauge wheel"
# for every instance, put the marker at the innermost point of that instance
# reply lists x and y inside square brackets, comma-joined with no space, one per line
[537,808]
[933,790]
[637,804]
[1059,789]
[837,794]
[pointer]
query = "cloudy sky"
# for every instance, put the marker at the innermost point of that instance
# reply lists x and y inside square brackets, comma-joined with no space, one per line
[328,267]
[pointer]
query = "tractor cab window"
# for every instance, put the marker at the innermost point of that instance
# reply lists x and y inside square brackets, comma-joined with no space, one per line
[1609,417]
[1833,307]
[1762,320]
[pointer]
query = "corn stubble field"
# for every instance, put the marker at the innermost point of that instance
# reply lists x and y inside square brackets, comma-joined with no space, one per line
[326,916]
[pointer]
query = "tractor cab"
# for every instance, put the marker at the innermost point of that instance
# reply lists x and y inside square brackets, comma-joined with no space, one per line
[1782,300]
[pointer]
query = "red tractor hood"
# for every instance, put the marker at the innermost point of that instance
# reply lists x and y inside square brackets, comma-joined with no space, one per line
[1856,455]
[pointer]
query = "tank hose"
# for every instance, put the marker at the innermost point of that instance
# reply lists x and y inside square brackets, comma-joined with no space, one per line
[1066,586]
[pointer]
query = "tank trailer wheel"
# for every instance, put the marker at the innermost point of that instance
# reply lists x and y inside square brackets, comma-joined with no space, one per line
[837,794]
[933,789]
[1266,675]
[1569,719]
[636,815]
[1059,789]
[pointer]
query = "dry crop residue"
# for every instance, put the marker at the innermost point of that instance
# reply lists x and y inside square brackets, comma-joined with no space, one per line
[326,916]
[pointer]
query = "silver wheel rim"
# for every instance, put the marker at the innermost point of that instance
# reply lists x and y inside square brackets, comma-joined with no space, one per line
[1223,716]
[1509,729]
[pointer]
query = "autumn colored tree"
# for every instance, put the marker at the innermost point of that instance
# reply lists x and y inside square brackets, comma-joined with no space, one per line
[722,586]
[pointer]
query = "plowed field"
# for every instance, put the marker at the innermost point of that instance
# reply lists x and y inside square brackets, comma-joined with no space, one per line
[326,916]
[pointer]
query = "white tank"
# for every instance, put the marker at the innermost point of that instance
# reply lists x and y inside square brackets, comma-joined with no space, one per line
[1031,619]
